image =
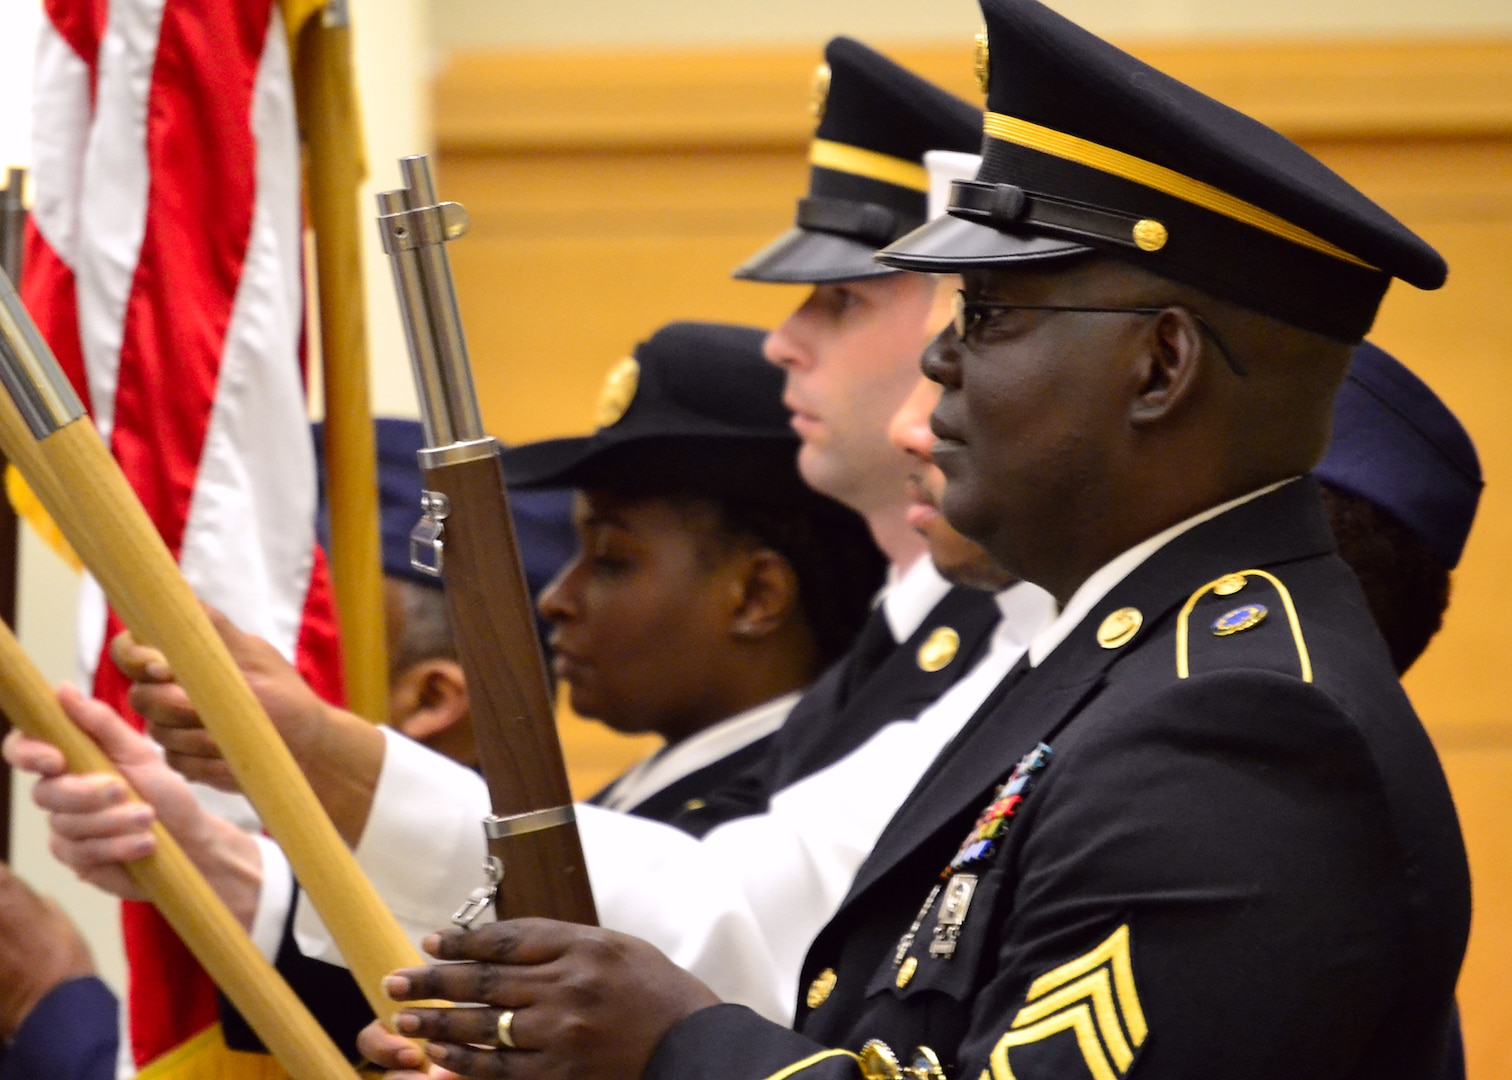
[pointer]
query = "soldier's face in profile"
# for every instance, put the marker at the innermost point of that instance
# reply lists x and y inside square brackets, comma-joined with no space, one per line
[959,559]
[645,597]
[851,354]
[1031,411]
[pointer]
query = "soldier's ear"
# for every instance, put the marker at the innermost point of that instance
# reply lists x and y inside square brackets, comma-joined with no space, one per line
[1169,362]
[768,594]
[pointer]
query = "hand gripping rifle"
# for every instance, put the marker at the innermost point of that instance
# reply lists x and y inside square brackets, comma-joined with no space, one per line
[467,538]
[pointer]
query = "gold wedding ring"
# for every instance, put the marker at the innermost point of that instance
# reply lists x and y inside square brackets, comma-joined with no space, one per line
[505,1028]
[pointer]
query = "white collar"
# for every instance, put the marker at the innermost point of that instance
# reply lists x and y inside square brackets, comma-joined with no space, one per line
[672,763]
[909,596]
[1110,574]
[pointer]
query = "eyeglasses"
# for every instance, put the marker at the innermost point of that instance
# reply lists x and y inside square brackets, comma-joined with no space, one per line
[971,315]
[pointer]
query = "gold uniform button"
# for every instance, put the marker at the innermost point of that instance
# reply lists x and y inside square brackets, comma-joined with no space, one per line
[694,804]
[981,61]
[940,649]
[878,1062]
[1150,235]
[819,91]
[1229,584]
[1119,628]
[906,972]
[820,989]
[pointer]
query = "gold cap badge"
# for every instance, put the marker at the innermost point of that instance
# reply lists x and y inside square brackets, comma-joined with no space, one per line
[820,989]
[819,91]
[980,61]
[906,972]
[1150,235]
[618,392]
[1119,628]
[940,649]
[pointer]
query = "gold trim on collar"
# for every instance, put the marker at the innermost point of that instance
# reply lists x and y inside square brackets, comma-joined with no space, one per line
[1183,670]
[843,157]
[1158,177]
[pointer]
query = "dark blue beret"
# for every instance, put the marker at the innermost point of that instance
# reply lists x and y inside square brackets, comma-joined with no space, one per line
[542,519]
[1086,148]
[867,184]
[1396,445]
[692,390]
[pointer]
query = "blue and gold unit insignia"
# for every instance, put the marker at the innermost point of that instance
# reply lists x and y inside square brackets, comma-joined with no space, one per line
[1087,1008]
[1241,618]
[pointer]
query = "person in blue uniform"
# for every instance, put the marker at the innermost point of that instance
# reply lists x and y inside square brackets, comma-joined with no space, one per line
[57,1019]
[1201,831]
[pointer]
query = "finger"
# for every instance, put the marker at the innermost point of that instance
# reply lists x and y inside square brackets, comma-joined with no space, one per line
[213,772]
[512,941]
[164,705]
[122,743]
[463,1024]
[382,1047]
[483,1064]
[481,983]
[104,855]
[33,755]
[132,820]
[88,793]
[185,742]
[138,662]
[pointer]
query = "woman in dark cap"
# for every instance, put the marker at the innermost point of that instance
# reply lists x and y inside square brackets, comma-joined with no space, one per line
[711,585]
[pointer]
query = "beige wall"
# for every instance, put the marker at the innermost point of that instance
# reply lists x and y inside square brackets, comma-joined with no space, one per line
[481,24]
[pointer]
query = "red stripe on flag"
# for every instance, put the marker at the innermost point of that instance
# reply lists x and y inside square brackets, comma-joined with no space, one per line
[47,289]
[199,216]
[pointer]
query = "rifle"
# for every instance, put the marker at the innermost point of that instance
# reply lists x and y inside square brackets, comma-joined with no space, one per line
[466,537]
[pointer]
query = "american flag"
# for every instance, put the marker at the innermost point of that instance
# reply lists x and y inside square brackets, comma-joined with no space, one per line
[164,267]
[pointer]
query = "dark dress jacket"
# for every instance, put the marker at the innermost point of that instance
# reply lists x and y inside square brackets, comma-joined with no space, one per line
[845,707]
[1237,858]
[71,1034]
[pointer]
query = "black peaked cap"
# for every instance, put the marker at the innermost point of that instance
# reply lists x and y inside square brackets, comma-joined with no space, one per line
[693,392]
[1087,148]
[867,184]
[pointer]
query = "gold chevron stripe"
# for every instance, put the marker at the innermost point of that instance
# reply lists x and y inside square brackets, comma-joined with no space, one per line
[843,157]
[1183,669]
[1079,1020]
[1099,987]
[1159,178]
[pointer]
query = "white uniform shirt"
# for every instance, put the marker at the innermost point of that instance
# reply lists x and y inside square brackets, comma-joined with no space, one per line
[737,908]
[671,763]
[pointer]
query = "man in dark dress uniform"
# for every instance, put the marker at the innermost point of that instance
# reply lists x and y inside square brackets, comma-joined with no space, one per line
[1202,833]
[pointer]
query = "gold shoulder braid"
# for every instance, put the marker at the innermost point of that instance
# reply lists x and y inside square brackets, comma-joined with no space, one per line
[1242,617]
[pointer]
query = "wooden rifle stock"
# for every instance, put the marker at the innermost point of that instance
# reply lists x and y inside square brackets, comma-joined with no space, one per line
[44,433]
[469,532]
[173,883]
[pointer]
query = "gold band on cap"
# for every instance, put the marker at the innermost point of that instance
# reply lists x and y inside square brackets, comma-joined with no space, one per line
[1157,177]
[868,163]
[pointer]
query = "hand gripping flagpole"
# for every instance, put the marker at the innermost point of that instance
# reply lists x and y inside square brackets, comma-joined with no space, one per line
[173,883]
[45,433]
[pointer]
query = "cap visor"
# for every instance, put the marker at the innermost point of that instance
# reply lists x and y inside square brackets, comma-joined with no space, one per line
[546,464]
[948,245]
[799,256]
